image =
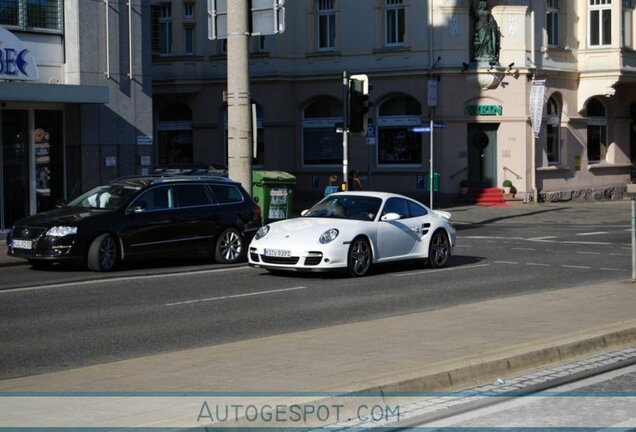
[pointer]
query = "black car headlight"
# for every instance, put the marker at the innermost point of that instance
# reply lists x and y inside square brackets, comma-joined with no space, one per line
[61,231]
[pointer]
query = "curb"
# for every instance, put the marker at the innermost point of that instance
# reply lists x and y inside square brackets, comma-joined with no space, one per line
[507,365]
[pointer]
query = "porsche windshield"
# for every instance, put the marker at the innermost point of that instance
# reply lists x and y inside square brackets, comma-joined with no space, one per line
[355,207]
[104,197]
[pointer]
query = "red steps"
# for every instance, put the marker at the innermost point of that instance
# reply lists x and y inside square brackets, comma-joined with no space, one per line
[490,197]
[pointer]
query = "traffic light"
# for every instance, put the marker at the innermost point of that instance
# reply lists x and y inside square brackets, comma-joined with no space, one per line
[358,104]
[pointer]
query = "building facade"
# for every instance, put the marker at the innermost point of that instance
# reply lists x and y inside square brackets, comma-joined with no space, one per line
[75,99]
[539,93]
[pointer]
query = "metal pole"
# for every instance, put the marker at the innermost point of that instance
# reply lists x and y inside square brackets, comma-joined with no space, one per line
[633,239]
[345,130]
[239,143]
[430,174]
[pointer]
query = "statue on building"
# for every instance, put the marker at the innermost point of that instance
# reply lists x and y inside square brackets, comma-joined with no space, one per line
[487,35]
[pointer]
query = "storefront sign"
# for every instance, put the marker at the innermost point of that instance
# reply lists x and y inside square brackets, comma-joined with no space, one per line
[484,110]
[16,62]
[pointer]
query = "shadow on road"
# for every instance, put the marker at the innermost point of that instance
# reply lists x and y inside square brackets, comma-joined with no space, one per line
[473,225]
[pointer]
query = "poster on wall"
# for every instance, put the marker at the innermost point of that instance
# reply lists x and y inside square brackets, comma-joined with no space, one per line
[42,163]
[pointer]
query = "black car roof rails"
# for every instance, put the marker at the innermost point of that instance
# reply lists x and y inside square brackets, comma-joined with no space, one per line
[185,178]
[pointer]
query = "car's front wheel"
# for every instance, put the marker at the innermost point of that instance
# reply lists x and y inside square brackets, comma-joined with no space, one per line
[230,247]
[439,249]
[359,257]
[103,254]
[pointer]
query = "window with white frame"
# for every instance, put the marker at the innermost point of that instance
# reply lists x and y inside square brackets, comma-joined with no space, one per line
[394,22]
[36,14]
[397,143]
[596,131]
[188,40]
[321,143]
[188,10]
[326,24]
[552,22]
[553,135]
[600,23]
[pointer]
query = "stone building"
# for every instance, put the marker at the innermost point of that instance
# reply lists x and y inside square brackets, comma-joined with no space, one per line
[550,105]
[75,99]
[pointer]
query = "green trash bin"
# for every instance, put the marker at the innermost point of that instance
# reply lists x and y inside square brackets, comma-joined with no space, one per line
[435,181]
[273,191]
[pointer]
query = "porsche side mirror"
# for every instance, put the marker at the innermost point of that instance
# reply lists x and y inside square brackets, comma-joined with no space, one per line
[390,217]
[304,212]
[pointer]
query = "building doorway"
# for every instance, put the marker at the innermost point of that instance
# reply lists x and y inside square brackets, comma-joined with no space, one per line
[482,155]
[31,162]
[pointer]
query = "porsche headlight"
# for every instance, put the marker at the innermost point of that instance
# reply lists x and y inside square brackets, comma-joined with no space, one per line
[61,231]
[262,232]
[329,236]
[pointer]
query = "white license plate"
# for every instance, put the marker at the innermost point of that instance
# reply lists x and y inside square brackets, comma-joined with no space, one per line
[283,253]
[22,244]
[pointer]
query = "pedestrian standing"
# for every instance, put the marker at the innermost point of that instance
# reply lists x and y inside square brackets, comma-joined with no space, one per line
[354,181]
[332,186]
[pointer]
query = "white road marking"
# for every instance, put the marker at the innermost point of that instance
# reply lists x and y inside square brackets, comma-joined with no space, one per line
[542,239]
[523,249]
[538,264]
[576,267]
[614,269]
[491,238]
[588,253]
[227,297]
[586,243]
[506,262]
[119,279]
[593,233]
[438,270]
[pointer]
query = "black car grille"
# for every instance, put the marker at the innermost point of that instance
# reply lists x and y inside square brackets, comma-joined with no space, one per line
[313,259]
[254,256]
[279,260]
[27,233]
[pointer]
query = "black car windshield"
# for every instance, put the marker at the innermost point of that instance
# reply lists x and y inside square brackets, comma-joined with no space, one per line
[357,207]
[107,197]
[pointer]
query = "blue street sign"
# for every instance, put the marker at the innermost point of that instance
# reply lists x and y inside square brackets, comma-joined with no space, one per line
[439,125]
[421,129]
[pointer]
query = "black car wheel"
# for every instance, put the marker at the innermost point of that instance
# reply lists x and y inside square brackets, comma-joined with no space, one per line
[439,249]
[230,247]
[103,254]
[359,257]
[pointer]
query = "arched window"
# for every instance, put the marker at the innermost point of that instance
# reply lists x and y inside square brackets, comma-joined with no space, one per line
[397,143]
[174,135]
[321,144]
[553,141]
[596,131]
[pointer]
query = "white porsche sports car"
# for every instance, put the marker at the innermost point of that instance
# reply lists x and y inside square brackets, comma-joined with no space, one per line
[352,231]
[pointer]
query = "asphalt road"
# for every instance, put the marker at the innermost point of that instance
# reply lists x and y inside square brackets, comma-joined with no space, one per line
[68,317]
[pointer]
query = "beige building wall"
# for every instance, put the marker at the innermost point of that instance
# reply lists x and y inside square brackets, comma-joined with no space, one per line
[289,72]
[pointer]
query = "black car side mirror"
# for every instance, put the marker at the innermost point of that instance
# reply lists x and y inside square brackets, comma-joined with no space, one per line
[60,203]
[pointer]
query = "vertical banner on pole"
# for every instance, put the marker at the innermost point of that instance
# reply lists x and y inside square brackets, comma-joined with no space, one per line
[537,94]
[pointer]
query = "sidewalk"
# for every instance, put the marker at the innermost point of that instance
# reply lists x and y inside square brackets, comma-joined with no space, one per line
[430,351]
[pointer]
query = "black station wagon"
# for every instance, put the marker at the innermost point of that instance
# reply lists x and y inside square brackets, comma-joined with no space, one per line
[141,216]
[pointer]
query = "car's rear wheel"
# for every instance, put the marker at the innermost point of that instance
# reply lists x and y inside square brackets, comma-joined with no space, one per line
[230,247]
[359,257]
[439,249]
[103,254]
